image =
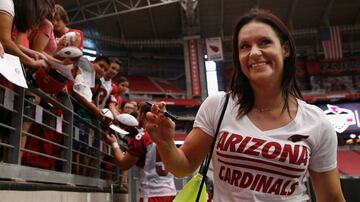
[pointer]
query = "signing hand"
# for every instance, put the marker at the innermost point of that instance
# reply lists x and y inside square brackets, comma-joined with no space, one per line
[160,128]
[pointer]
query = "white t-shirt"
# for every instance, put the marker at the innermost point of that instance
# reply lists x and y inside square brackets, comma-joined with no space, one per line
[105,91]
[82,88]
[7,6]
[85,80]
[254,165]
[152,184]
[154,180]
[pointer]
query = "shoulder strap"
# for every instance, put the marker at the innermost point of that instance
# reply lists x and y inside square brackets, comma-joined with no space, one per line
[205,168]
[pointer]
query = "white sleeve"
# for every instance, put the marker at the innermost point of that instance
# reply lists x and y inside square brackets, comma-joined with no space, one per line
[324,155]
[82,89]
[7,6]
[209,113]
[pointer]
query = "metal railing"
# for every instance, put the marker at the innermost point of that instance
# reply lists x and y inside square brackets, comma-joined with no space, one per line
[48,142]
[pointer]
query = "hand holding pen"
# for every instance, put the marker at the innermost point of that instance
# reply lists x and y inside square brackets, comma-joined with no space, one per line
[160,124]
[166,113]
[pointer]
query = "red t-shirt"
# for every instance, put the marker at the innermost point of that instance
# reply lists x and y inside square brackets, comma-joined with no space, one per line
[46,28]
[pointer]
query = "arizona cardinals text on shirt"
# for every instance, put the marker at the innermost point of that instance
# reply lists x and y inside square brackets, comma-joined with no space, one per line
[260,164]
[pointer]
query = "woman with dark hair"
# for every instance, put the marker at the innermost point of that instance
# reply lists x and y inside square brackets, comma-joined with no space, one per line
[42,38]
[269,137]
[27,16]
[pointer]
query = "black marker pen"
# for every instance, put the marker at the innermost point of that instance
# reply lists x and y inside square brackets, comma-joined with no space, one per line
[166,113]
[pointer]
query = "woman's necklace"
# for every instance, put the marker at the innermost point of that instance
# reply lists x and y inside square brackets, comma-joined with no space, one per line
[263,109]
[266,109]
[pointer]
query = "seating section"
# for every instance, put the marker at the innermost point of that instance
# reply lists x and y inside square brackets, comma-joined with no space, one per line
[180,102]
[167,87]
[142,84]
[348,162]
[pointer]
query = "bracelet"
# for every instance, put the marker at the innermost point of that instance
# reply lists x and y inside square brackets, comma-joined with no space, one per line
[115,145]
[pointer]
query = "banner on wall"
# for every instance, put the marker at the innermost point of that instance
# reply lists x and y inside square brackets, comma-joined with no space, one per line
[194,67]
[214,49]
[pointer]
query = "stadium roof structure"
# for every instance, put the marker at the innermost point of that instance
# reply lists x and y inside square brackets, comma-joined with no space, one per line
[118,25]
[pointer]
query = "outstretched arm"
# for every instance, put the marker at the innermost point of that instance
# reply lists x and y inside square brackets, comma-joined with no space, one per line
[113,108]
[124,161]
[181,161]
[11,47]
[88,105]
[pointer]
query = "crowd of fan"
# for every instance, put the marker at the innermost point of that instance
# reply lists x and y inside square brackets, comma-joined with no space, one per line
[334,84]
[36,31]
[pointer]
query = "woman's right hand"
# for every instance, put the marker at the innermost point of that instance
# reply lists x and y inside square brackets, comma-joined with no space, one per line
[160,127]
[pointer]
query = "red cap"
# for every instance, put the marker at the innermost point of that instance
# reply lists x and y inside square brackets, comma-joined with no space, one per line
[47,83]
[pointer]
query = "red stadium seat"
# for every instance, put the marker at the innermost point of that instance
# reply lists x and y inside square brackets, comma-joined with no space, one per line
[346,165]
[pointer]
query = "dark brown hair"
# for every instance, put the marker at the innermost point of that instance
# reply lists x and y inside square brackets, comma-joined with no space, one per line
[240,85]
[121,79]
[50,8]
[102,58]
[116,60]
[144,108]
[59,10]
[30,13]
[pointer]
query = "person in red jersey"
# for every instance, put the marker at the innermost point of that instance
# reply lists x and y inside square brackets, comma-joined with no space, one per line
[156,184]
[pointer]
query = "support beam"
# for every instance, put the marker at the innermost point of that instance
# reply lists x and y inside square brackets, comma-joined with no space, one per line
[325,15]
[190,17]
[104,6]
[152,20]
[168,43]
[151,43]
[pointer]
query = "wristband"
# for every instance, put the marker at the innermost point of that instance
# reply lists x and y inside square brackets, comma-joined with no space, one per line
[115,145]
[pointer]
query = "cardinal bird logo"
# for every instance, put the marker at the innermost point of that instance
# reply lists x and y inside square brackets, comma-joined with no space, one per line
[340,118]
[214,48]
[297,138]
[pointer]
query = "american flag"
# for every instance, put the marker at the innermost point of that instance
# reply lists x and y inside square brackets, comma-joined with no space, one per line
[331,42]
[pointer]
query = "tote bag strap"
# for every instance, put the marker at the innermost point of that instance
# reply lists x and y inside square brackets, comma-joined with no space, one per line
[205,168]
